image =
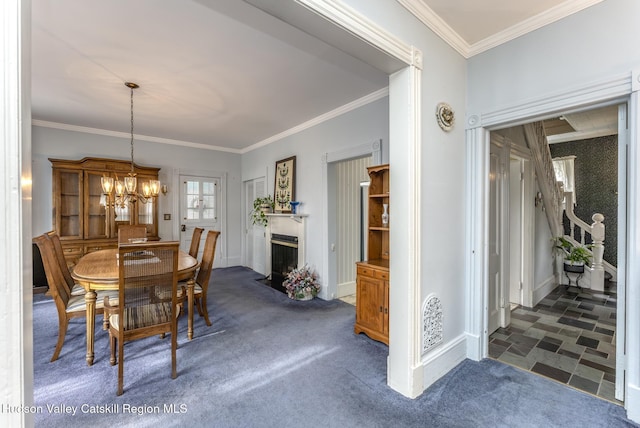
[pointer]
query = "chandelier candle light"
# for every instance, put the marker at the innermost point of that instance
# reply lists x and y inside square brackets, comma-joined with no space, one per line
[127,191]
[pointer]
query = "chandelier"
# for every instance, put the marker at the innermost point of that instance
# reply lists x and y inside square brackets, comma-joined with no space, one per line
[126,191]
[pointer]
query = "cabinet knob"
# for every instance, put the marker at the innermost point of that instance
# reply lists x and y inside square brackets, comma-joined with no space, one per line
[380,308]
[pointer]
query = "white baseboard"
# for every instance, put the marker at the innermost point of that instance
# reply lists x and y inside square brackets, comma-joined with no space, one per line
[413,387]
[346,289]
[474,347]
[438,363]
[231,261]
[543,289]
[632,402]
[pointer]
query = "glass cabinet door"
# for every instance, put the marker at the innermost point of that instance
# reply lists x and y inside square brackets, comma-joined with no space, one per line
[67,203]
[96,206]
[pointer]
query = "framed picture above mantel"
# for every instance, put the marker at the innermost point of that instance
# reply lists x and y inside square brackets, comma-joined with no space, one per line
[285,184]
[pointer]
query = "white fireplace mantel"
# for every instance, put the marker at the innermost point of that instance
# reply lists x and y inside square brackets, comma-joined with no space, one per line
[296,217]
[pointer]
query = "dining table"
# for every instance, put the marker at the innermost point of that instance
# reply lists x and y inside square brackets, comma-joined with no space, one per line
[98,270]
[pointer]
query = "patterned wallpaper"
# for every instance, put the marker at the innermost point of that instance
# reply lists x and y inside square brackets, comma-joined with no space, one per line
[596,175]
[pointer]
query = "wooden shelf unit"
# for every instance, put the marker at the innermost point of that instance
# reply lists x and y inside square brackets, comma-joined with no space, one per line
[85,218]
[372,280]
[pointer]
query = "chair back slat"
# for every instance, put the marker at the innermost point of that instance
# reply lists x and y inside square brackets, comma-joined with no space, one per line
[195,242]
[55,278]
[62,262]
[207,258]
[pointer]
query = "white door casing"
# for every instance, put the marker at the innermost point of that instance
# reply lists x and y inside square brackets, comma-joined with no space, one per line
[350,173]
[495,236]
[621,285]
[612,90]
[329,161]
[516,202]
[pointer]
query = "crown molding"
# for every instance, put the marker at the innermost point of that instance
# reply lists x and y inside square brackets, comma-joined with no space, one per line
[367,99]
[346,17]
[429,18]
[547,17]
[96,131]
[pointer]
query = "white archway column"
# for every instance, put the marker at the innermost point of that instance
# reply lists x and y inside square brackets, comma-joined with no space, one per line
[404,369]
[16,293]
[477,186]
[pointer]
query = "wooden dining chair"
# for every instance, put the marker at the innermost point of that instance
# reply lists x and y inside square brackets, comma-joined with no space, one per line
[147,299]
[68,306]
[195,242]
[131,231]
[204,275]
[73,288]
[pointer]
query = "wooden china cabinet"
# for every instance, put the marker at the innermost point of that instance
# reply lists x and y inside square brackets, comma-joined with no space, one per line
[372,281]
[84,217]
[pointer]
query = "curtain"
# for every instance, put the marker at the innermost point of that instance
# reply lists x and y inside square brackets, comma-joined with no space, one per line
[563,168]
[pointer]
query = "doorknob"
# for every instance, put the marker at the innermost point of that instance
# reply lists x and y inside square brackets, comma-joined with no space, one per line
[183,228]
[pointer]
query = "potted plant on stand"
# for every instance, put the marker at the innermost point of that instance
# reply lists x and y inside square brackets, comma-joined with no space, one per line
[261,207]
[302,283]
[576,257]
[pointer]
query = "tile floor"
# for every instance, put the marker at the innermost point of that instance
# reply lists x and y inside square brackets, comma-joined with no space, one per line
[350,299]
[569,337]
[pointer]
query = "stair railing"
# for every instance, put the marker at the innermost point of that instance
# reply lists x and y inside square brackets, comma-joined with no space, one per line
[551,191]
[596,231]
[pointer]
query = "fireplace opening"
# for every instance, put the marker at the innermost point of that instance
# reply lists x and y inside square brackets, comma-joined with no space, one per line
[284,258]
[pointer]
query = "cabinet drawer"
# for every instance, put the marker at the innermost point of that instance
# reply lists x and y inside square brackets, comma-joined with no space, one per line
[373,272]
[382,274]
[98,247]
[365,271]
[71,251]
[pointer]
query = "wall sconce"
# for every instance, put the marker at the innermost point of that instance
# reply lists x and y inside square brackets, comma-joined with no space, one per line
[538,199]
[164,189]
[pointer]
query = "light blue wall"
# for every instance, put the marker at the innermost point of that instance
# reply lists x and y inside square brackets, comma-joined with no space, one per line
[598,42]
[365,125]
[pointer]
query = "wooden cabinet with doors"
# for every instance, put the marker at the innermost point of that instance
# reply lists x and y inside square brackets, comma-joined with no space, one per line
[85,218]
[372,281]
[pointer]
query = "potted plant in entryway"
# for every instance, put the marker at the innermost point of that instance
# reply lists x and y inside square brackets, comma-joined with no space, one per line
[575,256]
[261,207]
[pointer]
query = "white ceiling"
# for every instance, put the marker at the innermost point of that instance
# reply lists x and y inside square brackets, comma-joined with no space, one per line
[215,73]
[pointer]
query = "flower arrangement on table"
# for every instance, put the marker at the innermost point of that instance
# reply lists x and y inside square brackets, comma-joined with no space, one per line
[302,283]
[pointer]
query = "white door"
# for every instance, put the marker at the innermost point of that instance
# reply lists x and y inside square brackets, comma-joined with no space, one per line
[495,237]
[255,236]
[516,230]
[200,207]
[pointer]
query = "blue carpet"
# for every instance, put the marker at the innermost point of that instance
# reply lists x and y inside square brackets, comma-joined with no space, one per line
[268,361]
